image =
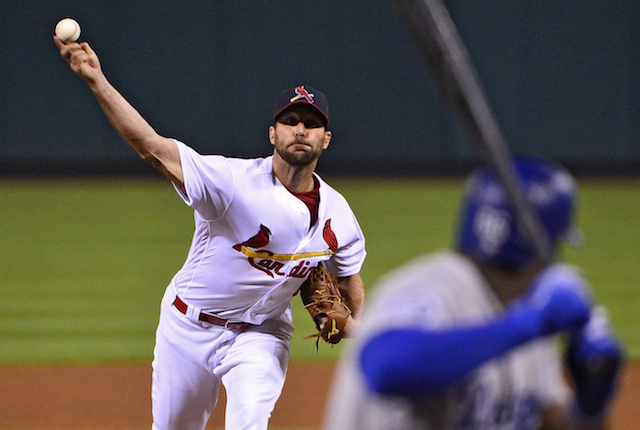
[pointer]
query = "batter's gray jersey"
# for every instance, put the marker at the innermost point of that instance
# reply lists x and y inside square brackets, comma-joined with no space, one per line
[435,292]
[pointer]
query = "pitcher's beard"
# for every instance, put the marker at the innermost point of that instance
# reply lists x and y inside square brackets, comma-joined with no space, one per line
[298,159]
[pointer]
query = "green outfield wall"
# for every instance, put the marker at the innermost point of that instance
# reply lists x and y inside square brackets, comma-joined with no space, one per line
[562,77]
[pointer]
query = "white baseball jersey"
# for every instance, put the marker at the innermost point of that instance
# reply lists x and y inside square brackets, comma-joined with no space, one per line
[253,245]
[435,292]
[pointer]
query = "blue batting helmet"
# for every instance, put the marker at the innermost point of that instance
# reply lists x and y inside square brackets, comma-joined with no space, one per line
[488,231]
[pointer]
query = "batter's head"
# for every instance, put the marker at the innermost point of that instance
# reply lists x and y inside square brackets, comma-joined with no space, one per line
[305,95]
[488,229]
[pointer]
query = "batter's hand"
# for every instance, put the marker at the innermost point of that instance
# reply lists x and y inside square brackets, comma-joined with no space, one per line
[82,59]
[558,301]
[594,359]
[562,297]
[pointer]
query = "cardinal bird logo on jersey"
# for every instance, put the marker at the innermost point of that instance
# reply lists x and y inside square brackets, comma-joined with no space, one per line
[329,236]
[276,264]
[258,241]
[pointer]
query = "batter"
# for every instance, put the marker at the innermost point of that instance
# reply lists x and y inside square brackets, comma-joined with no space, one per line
[462,339]
[261,226]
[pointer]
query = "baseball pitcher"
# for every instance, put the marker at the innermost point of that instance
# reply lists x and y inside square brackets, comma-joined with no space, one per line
[263,226]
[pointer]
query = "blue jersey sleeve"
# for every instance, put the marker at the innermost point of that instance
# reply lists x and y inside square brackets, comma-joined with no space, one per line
[417,362]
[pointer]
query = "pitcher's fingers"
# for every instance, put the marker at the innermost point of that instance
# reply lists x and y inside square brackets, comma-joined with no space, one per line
[85,46]
[59,43]
[66,49]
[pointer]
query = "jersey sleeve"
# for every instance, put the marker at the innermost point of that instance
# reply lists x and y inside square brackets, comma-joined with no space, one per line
[208,181]
[349,258]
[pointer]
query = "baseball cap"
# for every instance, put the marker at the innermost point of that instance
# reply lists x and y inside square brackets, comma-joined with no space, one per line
[302,94]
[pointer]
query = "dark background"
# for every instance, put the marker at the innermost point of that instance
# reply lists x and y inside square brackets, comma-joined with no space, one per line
[561,76]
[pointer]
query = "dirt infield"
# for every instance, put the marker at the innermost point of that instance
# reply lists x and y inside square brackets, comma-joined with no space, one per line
[118,398]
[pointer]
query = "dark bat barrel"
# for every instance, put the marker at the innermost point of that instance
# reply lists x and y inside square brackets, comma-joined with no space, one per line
[438,40]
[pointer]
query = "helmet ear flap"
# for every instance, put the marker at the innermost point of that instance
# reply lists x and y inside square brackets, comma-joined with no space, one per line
[488,229]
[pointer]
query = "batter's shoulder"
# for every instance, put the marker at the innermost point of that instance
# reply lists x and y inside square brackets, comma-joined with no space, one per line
[445,270]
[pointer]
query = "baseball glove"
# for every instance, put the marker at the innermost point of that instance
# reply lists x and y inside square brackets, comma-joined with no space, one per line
[321,297]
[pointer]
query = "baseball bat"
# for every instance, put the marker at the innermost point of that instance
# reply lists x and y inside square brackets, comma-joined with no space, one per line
[438,40]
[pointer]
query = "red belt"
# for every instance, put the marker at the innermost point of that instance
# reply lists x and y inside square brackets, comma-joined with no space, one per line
[212,319]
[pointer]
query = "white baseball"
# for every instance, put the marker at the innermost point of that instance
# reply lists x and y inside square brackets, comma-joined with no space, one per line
[68,30]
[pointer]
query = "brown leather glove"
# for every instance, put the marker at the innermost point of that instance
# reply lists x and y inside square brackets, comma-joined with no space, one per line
[321,297]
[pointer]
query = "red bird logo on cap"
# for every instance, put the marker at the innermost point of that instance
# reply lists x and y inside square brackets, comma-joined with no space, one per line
[329,236]
[258,241]
[302,92]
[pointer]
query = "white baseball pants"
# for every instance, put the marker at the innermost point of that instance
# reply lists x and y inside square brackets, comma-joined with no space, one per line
[192,359]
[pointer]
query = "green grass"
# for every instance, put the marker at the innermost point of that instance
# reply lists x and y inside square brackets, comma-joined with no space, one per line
[85,263]
[609,215]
